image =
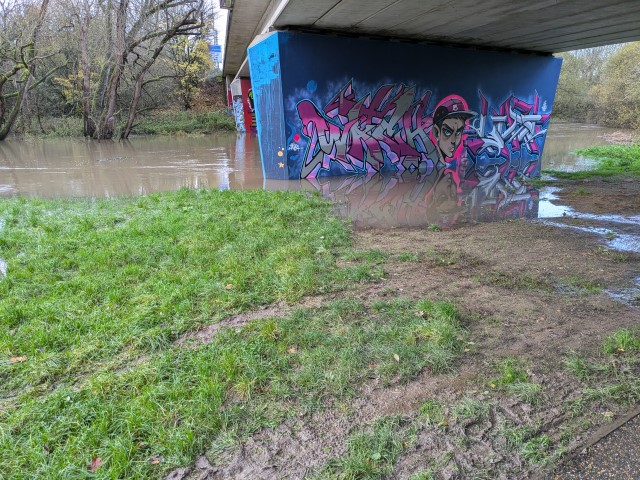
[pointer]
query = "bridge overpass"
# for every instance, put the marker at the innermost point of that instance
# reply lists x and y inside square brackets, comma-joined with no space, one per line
[456,90]
[544,26]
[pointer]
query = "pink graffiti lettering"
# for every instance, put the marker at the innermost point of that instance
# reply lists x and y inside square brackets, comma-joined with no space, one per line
[363,134]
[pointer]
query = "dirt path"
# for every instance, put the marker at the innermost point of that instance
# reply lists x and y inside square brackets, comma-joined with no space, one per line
[527,290]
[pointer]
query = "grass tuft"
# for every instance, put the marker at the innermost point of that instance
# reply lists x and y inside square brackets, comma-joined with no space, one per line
[432,412]
[536,449]
[370,454]
[513,378]
[468,408]
[622,341]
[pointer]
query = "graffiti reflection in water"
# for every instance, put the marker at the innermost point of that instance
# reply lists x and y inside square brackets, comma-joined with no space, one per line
[416,199]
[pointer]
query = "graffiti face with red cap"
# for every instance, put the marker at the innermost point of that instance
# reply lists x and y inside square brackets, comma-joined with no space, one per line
[449,135]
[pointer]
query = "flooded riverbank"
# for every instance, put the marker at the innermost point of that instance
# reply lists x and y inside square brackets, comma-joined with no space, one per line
[143,165]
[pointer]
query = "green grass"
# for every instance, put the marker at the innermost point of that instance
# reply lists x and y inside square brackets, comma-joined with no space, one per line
[613,378]
[514,380]
[578,285]
[432,412]
[515,281]
[438,257]
[578,366]
[413,257]
[88,280]
[511,371]
[517,435]
[97,291]
[581,192]
[187,122]
[611,160]
[370,454]
[621,341]
[536,449]
[468,408]
[95,294]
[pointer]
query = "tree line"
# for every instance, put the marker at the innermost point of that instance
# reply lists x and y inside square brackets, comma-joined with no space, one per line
[105,61]
[601,85]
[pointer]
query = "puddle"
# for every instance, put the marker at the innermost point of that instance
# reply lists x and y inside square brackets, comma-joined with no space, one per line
[628,296]
[615,241]
[548,209]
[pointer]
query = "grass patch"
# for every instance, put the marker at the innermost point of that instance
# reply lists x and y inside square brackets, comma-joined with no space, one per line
[432,412]
[468,408]
[536,450]
[612,160]
[580,192]
[613,255]
[610,379]
[184,122]
[514,380]
[578,367]
[370,454]
[513,281]
[516,436]
[579,286]
[89,282]
[413,257]
[96,292]
[622,341]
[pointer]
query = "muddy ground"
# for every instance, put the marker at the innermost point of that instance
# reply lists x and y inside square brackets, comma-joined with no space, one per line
[524,289]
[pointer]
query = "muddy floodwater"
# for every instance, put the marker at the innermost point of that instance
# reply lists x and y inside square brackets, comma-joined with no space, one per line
[82,168]
[142,165]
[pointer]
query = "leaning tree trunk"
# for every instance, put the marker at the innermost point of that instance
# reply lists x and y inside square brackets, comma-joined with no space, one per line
[88,125]
[106,124]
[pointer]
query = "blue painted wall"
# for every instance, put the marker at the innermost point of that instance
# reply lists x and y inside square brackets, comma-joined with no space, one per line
[266,82]
[330,105]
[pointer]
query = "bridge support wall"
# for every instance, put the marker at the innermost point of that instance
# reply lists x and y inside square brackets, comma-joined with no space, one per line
[331,105]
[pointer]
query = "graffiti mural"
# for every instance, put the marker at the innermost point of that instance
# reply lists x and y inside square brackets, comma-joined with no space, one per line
[512,134]
[390,130]
[238,113]
[463,114]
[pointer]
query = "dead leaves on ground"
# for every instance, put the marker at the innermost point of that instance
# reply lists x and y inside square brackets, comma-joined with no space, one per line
[96,463]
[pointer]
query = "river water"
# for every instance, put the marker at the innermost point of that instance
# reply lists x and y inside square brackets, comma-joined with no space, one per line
[84,168]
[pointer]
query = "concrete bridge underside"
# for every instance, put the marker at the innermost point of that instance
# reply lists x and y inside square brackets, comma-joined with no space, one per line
[543,26]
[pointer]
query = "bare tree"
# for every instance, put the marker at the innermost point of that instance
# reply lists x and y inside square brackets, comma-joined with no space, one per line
[20,57]
[134,33]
